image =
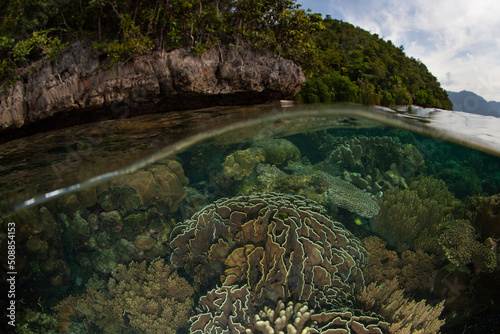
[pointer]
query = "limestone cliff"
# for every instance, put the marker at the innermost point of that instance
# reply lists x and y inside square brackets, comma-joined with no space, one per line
[78,87]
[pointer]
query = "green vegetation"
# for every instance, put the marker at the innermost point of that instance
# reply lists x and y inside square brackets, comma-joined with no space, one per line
[31,29]
[349,64]
[341,62]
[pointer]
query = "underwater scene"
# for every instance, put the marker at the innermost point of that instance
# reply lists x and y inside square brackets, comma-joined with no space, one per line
[298,223]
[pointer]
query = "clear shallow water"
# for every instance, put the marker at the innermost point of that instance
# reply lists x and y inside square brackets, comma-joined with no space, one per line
[353,195]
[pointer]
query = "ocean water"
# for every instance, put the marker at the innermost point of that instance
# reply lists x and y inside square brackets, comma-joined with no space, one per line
[264,219]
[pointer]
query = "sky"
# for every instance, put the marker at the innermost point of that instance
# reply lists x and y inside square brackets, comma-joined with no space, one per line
[458,40]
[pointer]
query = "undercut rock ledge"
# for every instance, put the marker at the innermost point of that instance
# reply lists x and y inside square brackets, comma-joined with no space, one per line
[79,87]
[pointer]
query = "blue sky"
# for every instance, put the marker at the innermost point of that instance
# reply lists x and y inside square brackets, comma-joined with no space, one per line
[458,40]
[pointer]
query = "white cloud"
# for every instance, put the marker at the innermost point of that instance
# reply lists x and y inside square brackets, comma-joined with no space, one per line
[458,39]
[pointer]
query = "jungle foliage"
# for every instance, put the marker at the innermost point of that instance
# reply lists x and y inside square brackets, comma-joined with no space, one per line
[350,64]
[341,62]
[31,29]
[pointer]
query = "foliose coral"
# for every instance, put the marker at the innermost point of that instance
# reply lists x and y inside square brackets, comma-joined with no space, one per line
[153,299]
[227,310]
[281,246]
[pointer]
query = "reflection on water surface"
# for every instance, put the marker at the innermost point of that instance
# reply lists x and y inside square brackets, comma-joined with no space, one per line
[310,219]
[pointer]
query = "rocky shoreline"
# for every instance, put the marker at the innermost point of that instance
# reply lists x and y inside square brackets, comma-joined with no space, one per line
[79,87]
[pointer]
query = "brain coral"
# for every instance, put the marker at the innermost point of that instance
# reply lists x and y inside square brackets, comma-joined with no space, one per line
[281,246]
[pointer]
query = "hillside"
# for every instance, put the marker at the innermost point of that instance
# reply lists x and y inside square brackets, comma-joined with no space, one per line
[472,103]
[351,64]
[341,62]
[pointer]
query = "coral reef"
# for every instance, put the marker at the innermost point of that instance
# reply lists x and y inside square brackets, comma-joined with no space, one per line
[318,186]
[347,196]
[461,180]
[227,310]
[35,322]
[278,151]
[413,216]
[281,246]
[415,271]
[153,299]
[241,163]
[404,315]
[38,251]
[488,217]
[373,163]
[458,240]
[161,184]
[65,313]
[125,219]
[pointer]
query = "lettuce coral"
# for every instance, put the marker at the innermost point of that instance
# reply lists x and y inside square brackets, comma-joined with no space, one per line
[227,310]
[282,246]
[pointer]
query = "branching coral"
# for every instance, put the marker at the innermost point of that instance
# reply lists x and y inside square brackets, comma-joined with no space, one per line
[460,246]
[147,298]
[415,270]
[406,316]
[413,216]
[281,246]
[488,217]
[227,310]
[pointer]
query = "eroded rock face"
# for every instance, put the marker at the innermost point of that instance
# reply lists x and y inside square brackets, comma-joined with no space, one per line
[78,84]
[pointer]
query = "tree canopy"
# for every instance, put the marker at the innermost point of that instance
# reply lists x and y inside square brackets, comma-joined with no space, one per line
[341,62]
[350,64]
[30,29]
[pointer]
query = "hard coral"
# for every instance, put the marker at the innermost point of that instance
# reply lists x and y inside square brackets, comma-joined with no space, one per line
[377,161]
[240,164]
[281,246]
[406,316]
[347,196]
[415,270]
[413,216]
[227,310]
[488,217]
[460,246]
[152,299]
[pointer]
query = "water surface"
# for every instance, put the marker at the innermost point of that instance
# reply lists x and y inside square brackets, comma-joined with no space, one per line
[223,219]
